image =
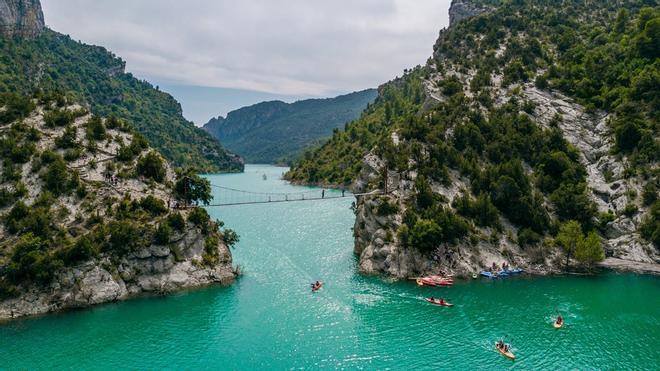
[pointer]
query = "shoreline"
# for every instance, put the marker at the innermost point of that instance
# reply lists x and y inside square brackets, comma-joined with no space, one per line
[622,265]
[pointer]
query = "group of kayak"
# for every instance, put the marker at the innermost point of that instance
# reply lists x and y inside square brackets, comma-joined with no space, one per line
[505,271]
[505,349]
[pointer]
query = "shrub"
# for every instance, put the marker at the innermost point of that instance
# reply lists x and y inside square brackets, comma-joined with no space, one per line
[83,249]
[151,166]
[95,129]
[58,118]
[527,237]
[125,236]
[230,237]
[387,208]
[16,107]
[163,234]
[153,205]
[426,235]
[176,221]
[650,227]
[68,138]
[199,217]
[31,261]
[56,177]
[211,254]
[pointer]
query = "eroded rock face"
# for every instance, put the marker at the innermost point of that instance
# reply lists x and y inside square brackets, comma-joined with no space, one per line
[463,9]
[22,18]
[153,270]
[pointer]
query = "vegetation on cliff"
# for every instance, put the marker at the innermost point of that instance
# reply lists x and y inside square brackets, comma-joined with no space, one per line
[76,187]
[464,116]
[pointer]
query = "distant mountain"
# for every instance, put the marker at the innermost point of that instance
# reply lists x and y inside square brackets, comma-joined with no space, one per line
[34,58]
[275,131]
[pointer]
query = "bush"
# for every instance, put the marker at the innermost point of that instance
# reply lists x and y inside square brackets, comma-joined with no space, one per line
[151,166]
[527,237]
[176,221]
[426,235]
[153,205]
[16,107]
[199,217]
[125,236]
[211,254]
[650,227]
[163,234]
[95,129]
[56,177]
[230,237]
[68,138]
[386,208]
[31,261]
[82,250]
[58,118]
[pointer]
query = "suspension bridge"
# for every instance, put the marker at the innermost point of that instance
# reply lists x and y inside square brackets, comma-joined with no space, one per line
[232,196]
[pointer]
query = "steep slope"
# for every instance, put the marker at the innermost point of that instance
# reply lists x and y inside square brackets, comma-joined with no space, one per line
[530,136]
[50,61]
[275,131]
[85,216]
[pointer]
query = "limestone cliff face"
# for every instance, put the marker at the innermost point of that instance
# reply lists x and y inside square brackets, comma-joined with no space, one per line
[589,131]
[22,18]
[463,9]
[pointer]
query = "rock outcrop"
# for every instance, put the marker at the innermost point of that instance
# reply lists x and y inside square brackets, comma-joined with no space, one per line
[153,270]
[464,9]
[23,18]
[118,233]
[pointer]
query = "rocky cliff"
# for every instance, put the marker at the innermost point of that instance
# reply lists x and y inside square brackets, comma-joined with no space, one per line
[87,217]
[497,147]
[22,18]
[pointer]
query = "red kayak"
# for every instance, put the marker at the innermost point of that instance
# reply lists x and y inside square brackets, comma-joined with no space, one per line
[316,288]
[438,302]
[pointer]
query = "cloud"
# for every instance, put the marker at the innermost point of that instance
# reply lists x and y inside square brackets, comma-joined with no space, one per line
[292,47]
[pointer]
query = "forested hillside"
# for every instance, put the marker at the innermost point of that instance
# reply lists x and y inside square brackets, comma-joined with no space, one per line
[542,112]
[92,75]
[278,132]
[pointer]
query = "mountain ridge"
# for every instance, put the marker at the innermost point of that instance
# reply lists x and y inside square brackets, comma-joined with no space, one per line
[275,131]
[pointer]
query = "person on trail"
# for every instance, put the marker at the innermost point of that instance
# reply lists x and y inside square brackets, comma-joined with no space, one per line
[323,193]
[342,192]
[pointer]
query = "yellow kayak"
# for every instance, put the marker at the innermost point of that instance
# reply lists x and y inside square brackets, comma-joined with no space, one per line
[507,354]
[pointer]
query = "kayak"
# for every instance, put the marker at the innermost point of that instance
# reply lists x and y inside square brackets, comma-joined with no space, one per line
[488,274]
[558,325]
[507,354]
[316,288]
[426,281]
[437,302]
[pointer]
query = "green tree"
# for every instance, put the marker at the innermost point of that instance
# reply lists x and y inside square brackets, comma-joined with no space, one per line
[589,250]
[570,235]
[151,166]
[190,187]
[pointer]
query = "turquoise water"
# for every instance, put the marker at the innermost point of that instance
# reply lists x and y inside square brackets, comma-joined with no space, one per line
[270,320]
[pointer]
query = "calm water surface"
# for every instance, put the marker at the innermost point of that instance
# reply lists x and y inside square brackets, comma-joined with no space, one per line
[270,320]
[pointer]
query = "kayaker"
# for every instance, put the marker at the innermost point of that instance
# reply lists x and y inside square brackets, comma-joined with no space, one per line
[560,319]
[432,298]
[442,301]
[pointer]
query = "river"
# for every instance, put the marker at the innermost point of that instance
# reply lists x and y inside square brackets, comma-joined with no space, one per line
[270,320]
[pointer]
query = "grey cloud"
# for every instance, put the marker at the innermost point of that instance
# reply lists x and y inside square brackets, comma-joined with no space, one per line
[295,47]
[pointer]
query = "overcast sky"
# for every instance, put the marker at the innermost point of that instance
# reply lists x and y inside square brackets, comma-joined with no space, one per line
[284,49]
